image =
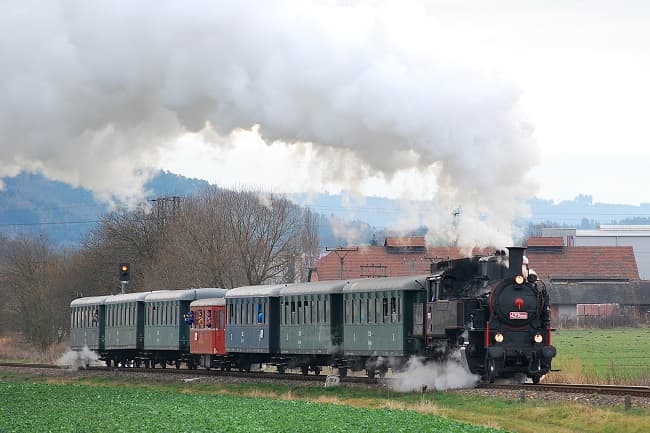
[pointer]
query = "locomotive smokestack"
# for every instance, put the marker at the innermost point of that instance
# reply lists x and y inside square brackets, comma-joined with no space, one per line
[515,260]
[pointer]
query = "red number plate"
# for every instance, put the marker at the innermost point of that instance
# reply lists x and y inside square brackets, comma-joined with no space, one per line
[518,315]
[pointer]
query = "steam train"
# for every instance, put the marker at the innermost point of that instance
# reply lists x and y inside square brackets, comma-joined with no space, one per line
[491,310]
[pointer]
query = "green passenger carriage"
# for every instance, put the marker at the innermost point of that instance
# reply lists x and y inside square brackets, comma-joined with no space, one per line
[87,319]
[378,321]
[166,335]
[310,325]
[253,328]
[124,328]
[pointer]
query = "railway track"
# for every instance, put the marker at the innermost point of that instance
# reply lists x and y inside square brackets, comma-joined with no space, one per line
[202,372]
[634,391]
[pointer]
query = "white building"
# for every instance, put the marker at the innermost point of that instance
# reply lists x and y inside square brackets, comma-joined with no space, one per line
[636,236]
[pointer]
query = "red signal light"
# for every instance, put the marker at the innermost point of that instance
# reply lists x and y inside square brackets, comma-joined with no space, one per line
[519,303]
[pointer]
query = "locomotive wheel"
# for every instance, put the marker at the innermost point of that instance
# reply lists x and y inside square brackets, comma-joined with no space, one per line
[490,370]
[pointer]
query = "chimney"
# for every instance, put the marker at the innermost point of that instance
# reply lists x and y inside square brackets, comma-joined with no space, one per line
[515,260]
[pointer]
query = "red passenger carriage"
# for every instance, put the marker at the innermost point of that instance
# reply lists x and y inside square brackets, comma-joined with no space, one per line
[207,319]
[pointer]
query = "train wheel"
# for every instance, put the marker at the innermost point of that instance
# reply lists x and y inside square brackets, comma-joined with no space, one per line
[138,363]
[108,363]
[163,364]
[317,371]
[177,364]
[304,370]
[490,370]
[343,371]
[536,378]
[371,373]
[281,369]
[147,364]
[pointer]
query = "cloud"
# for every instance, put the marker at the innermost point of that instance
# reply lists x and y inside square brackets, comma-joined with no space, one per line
[92,91]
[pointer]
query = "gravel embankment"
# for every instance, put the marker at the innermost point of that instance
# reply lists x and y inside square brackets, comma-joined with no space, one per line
[514,395]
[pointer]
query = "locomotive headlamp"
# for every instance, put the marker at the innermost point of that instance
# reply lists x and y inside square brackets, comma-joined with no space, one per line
[538,338]
[519,279]
[498,337]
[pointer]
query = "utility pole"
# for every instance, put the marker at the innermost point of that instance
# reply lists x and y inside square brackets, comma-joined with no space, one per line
[456,214]
[342,252]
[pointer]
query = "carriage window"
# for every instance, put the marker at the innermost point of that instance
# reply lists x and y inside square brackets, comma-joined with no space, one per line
[384,310]
[325,311]
[307,312]
[293,312]
[370,307]
[363,315]
[300,312]
[260,313]
[393,310]
[348,308]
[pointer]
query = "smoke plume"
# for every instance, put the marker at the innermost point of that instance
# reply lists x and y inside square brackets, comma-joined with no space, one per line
[75,360]
[440,376]
[91,92]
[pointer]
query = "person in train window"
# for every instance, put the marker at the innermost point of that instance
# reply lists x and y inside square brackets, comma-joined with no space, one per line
[260,314]
[189,318]
[201,322]
[208,319]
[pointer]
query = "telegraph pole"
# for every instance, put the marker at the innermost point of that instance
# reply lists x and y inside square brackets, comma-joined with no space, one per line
[456,214]
[341,253]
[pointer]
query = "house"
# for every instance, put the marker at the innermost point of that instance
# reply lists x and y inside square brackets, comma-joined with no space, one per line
[585,283]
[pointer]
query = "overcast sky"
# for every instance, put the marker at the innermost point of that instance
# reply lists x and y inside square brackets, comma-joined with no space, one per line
[478,104]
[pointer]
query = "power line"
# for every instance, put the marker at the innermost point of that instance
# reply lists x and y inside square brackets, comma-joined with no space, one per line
[48,223]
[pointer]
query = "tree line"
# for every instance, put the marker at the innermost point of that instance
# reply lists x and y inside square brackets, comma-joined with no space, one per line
[216,238]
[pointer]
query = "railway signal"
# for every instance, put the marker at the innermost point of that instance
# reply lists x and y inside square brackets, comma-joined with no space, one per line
[124,271]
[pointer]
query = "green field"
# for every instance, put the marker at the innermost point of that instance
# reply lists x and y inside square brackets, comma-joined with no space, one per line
[603,355]
[41,407]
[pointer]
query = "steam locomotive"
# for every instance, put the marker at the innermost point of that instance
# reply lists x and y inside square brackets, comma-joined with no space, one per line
[495,310]
[492,310]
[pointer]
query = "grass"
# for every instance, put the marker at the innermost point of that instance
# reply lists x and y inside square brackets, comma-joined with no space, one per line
[70,401]
[69,408]
[606,356]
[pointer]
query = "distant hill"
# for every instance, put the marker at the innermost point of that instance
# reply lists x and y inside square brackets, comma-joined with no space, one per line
[32,204]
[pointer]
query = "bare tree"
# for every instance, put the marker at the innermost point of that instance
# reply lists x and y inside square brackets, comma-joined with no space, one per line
[37,294]
[309,243]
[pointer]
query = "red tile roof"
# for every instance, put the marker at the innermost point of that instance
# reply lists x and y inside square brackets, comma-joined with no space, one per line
[585,263]
[378,262]
[545,242]
[408,241]
[576,263]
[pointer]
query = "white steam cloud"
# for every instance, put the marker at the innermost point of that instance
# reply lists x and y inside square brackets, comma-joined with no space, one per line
[440,376]
[91,92]
[75,360]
